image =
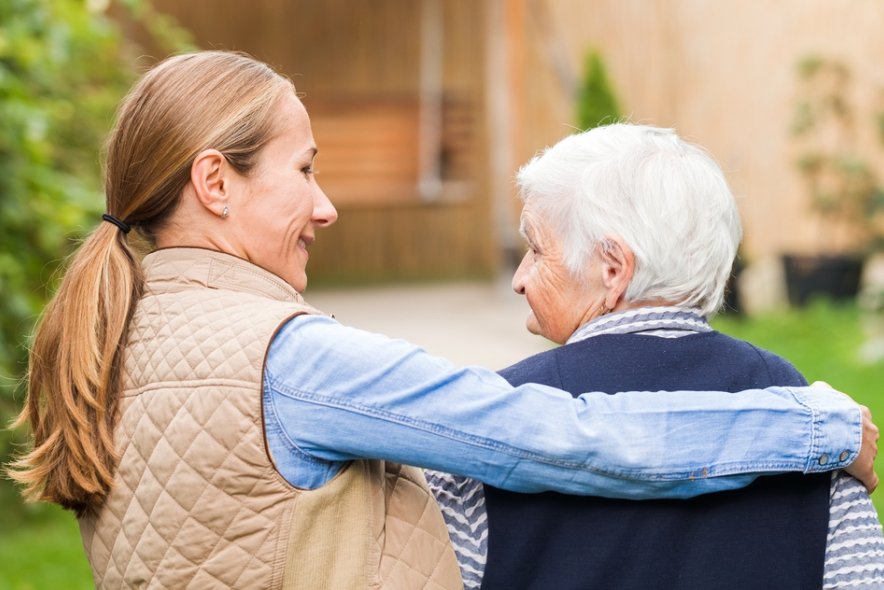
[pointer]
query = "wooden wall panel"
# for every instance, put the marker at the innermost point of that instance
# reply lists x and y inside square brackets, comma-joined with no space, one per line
[403,241]
[327,47]
[722,74]
[346,52]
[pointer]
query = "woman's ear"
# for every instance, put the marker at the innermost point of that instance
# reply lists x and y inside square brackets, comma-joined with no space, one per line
[209,177]
[618,268]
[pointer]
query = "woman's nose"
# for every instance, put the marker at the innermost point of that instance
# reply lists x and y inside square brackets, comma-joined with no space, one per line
[519,275]
[324,213]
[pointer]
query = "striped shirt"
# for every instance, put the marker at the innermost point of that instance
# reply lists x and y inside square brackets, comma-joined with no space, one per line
[854,546]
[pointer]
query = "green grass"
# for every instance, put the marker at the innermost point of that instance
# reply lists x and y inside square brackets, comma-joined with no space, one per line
[44,552]
[822,341]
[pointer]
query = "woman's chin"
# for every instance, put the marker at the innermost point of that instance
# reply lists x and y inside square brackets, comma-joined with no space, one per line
[532,325]
[298,281]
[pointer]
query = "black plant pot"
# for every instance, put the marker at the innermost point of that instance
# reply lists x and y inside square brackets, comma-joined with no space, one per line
[732,302]
[833,276]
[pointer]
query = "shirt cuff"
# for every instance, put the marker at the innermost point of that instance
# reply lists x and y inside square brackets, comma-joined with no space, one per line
[836,433]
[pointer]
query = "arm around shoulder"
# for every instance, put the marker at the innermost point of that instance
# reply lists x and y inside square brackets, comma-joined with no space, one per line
[343,393]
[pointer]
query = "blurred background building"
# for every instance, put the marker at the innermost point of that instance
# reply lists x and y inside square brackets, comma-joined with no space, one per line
[424,109]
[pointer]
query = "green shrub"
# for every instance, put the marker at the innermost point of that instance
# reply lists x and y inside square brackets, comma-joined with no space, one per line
[64,65]
[597,103]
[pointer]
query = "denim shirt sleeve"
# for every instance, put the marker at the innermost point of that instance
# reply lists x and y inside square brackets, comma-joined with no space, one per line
[334,394]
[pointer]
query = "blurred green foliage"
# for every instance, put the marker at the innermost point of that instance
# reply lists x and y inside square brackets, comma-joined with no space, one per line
[838,171]
[64,65]
[596,103]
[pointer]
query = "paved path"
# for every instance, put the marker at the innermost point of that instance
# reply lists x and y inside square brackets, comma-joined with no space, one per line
[467,322]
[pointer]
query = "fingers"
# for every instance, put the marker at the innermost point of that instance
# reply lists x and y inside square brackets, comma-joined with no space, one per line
[871,482]
[864,466]
[869,425]
[863,470]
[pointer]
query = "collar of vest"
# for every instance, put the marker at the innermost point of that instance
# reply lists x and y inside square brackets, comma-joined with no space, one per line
[184,268]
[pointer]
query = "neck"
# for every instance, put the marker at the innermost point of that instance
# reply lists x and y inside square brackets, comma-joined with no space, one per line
[624,305]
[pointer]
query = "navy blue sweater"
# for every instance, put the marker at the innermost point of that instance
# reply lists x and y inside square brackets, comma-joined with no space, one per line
[771,534]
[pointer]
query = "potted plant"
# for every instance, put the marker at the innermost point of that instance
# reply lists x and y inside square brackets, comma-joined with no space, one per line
[840,182]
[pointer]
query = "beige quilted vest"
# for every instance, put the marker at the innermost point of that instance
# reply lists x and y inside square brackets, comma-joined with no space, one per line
[197,502]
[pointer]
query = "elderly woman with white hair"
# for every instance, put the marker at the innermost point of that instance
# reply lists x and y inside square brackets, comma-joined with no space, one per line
[631,235]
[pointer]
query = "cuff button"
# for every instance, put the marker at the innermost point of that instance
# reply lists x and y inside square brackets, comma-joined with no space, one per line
[824,459]
[843,456]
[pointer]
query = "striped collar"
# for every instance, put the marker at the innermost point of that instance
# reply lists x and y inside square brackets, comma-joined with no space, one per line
[665,322]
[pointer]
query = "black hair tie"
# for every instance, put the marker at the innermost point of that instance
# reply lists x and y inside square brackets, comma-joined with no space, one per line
[124,227]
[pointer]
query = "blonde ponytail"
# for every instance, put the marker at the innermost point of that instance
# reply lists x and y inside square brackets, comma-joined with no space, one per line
[74,375]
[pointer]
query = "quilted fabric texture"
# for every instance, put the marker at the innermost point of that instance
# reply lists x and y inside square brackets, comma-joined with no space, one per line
[197,502]
[416,549]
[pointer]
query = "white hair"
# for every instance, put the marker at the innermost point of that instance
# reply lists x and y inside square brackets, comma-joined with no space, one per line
[665,198]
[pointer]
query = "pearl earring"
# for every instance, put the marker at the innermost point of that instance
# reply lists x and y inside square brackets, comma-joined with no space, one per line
[225,212]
